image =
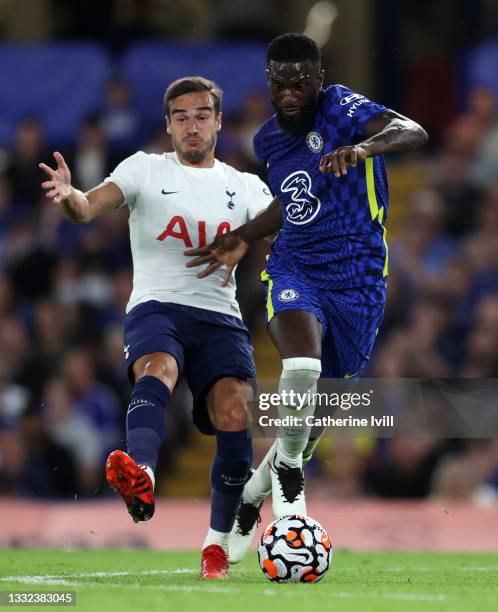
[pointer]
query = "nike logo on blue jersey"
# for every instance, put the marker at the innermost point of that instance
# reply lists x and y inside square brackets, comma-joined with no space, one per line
[168,192]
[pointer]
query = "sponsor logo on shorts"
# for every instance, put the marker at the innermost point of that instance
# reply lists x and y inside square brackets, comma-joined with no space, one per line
[288,295]
[314,142]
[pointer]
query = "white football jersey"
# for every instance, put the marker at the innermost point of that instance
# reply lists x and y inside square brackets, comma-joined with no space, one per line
[173,208]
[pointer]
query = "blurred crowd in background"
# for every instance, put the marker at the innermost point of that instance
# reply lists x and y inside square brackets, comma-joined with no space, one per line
[64,287]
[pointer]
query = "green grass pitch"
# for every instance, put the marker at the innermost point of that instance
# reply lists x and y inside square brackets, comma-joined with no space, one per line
[137,580]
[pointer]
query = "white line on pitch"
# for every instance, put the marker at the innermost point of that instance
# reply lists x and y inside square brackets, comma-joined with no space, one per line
[409,568]
[479,568]
[160,587]
[41,579]
[228,589]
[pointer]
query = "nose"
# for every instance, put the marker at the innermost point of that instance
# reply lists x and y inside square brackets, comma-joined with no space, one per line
[287,98]
[192,127]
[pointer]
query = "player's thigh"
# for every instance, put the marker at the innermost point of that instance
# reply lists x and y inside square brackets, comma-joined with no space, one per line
[296,333]
[294,316]
[223,351]
[160,365]
[227,404]
[153,342]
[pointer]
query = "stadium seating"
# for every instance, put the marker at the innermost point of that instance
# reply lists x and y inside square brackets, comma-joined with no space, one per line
[481,65]
[41,83]
[41,80]
[149,67]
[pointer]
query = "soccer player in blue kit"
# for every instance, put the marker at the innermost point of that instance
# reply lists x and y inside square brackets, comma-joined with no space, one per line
[326,273]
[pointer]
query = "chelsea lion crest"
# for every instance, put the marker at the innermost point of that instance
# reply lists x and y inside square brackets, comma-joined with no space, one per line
[314,142]
[288,295]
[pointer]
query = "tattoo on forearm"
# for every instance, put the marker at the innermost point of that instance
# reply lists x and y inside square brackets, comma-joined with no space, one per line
[397,136]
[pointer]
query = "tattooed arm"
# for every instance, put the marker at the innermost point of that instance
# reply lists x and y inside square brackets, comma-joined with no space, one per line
[387,132]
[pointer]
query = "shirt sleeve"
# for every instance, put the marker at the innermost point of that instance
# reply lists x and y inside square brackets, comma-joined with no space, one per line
[351,112]
[129,175]
[259,195]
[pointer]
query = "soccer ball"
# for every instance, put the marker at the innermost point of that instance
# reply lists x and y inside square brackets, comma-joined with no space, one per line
[294,549]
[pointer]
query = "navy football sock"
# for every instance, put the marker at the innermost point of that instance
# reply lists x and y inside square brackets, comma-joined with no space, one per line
[145,427]
[228,475]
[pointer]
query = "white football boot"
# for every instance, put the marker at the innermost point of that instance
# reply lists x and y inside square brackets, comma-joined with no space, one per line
[246,522]
[256,490]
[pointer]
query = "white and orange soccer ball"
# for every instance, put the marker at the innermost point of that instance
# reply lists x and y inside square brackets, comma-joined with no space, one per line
[295,549]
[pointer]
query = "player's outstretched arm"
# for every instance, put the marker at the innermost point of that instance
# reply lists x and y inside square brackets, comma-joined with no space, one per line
[228,249]
[77,206]
[387,132]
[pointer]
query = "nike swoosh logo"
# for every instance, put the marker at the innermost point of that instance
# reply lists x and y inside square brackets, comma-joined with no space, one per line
[168,192]
[351,375]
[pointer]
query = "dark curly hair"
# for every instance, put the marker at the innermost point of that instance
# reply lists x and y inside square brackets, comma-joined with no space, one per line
[293,47]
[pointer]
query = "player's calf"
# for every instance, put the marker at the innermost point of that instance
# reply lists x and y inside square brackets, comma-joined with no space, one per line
[297,387]
[256,490]
[227,405]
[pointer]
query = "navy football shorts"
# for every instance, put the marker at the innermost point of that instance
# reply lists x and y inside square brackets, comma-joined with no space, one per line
[350,318]
[207,346]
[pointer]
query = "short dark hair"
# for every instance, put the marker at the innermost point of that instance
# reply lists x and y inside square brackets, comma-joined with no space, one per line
[293,47]
[192,84]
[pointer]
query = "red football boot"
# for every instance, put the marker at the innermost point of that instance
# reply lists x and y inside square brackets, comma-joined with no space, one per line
[133,483]
[214,562]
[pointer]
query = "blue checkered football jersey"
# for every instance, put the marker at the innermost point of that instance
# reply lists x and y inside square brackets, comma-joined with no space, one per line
[333,228]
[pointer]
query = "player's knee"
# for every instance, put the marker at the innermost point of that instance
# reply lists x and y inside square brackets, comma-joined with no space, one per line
[231,414]
[299,376]
[163,367]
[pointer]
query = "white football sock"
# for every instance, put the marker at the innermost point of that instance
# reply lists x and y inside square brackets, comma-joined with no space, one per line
[148,470]
[216,537]
[299,375]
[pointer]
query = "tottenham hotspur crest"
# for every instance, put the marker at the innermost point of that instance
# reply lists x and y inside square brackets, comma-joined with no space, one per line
[231,203]
[314,142]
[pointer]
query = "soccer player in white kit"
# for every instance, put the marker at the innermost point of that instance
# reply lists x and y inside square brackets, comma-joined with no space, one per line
[177,324]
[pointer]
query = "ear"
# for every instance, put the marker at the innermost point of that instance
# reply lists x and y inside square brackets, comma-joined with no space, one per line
[267,75]
[321,77]
[218,122]
[168,127]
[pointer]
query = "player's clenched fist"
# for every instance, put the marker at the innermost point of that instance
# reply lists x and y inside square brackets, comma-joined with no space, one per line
[226,250]
[59,186]
[341,159]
